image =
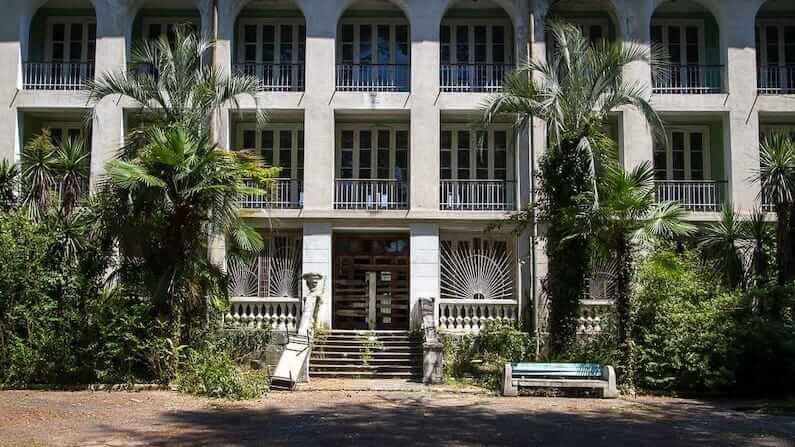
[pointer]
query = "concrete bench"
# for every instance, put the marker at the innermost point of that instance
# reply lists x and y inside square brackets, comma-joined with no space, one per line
[559,375]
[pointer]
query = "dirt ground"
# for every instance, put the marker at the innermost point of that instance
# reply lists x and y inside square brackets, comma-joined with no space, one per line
[379,418]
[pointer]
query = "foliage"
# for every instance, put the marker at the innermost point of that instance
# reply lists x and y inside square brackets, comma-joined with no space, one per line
[243,345]
[9,184]
[573,93]
[483,356]
[210,371]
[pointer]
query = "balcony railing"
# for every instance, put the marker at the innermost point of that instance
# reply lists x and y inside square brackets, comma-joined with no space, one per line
[371,194]
[776,80]
[705,195]
[274,77]
[473,77]
[373,77]
[470,315]
[688,79]
[56,75]
[477,195]
[280,193]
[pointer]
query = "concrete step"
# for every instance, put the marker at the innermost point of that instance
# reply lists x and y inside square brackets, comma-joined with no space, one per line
[366,374]
[359,360]
[375,354]
[359,347]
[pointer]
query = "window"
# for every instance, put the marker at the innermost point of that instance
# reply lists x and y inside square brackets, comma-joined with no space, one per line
[776,42]
[59,131]
[154,27]
[71,39]
[373,42]
[593,29]
[281,146]
[682,39]
[271,42]
[685,158]
[373,153]
[475,43]
[474,154]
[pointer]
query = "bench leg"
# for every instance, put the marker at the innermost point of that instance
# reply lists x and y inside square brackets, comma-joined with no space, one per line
[609,375]
[509,387]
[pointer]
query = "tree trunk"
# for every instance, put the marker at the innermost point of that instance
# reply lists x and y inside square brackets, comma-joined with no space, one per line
[626,370]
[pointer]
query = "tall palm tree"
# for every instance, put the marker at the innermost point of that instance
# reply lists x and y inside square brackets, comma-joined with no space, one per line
[776,174]
[9,182]
[574,91]
[725,242]
[164,204]
[171,82]
[627,218]
[72,165]
[757,232]
[38,173]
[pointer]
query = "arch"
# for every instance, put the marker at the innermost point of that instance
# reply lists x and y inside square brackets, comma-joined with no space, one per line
[152,18]
[347,5]
[37,33]
[597,12]
[774,20]
[691,14]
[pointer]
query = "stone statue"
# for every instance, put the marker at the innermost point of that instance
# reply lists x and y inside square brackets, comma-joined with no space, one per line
[311,302]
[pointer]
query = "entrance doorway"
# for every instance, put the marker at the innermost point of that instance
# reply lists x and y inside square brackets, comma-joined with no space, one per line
[371,282]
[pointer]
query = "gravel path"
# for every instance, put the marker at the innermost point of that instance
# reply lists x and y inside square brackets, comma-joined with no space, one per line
[378,418]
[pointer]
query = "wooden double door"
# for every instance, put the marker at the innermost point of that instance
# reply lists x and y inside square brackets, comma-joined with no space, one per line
[371,282]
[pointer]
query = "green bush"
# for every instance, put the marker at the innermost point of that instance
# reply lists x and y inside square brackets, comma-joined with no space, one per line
[244,344]
[482,357]
[211,371]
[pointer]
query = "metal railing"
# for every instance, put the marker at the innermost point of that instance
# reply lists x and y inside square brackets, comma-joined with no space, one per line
[477,195]
[472,77]
[274,77]
[704,195]
[688,79]
[56,75]
[280,193]
[373,77]
[776,80]
[371,194]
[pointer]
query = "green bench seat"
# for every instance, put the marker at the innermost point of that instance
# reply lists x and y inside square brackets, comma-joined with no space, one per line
[559,375]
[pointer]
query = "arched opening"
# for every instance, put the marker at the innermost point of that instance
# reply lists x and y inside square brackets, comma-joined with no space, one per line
[596,19]
[61,46]
[690,36]
[373,48]
[775,47]
[476,46]
[154,19]
[270,43]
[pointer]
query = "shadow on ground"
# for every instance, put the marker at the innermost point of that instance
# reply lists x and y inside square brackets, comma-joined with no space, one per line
[386,421]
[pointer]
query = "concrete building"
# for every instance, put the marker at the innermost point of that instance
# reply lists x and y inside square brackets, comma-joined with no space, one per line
[387,180]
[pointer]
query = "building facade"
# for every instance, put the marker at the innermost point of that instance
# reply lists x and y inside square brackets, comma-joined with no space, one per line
[387,181]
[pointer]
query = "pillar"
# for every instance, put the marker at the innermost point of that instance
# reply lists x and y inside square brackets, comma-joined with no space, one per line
[424,270]
[317,259]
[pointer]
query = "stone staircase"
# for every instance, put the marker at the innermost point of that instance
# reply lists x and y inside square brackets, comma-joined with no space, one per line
[367,354]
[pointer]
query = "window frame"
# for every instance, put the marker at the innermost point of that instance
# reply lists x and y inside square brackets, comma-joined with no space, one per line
[392,22]
[49,35]
[474,149]
[687,168]
[761,44]
[296,163]
[683,24]
[453,24]
[356,129]
[298,43]
[585,24]
[165,22]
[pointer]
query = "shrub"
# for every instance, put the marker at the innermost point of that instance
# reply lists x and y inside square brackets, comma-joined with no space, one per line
[243,344]
[210,371]
[483,356]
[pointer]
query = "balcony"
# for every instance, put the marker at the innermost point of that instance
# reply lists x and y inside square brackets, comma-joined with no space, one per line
[274,77]
[473,77]
[373,77]
[698,196]
[776,80]
[688,79]
[279,194]
[477,195]
[371,194]
[56,75]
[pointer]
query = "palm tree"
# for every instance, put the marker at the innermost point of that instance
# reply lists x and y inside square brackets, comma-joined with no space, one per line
[9,182]
[171,83]
[628,217]
[725,242]
[38,173]
[72,165]
[757,232]
[776,174]
[573,92]
[163,206]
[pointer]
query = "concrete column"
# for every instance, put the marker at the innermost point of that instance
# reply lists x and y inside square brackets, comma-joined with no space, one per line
[741,124]
[424,271]
[317,259]
[425,116]
[14,31]
[113,20]
[321,32]
[636,144]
